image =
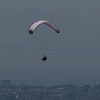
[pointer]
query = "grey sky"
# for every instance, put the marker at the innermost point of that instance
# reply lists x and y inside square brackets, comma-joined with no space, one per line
[73,55]
[52,6]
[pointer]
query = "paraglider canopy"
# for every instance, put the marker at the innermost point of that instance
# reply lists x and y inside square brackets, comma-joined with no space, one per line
[34,25]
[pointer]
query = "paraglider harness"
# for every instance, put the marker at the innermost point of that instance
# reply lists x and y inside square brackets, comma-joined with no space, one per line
[44,58]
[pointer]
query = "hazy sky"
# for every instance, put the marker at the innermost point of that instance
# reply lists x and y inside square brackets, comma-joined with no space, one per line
[73,55]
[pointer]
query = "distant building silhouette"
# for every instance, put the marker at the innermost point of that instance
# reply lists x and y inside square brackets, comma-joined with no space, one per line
[6,83]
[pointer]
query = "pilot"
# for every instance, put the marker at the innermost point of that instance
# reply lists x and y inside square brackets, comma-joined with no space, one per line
[44,58]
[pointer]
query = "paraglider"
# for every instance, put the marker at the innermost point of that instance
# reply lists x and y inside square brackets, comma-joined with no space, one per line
[34,25]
